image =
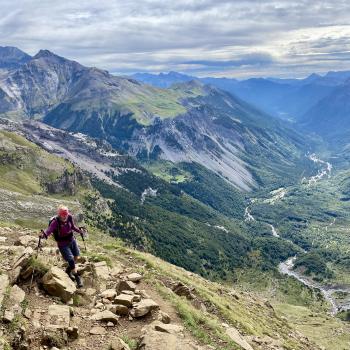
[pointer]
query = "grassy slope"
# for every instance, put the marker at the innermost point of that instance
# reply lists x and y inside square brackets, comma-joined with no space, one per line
[240,309]
[25,166]
[25,169]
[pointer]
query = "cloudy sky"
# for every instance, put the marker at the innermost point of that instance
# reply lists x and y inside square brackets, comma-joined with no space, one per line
[201,37]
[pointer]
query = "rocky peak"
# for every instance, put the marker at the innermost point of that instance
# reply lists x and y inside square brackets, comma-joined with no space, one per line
[46,54]
[12,57]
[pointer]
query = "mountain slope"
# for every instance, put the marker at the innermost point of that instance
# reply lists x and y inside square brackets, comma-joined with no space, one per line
[216,130]
[11,57]
[330,117]
[189,122]
[212,313]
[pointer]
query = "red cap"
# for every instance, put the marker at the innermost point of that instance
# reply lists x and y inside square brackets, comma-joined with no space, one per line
[63,212]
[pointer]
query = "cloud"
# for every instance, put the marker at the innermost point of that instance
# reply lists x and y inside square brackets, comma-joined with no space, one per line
[216,37]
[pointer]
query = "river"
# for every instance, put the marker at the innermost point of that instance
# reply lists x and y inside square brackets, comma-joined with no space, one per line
[286,268]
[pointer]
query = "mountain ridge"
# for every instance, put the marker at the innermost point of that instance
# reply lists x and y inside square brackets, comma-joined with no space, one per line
[189,122]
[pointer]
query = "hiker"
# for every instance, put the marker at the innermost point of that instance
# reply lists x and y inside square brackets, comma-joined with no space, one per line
[62,227]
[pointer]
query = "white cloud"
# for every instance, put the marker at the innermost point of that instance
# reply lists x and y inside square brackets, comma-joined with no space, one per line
[162,35]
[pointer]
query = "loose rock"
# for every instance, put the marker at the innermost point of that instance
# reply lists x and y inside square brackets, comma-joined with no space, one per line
[98,330]
[106,316]
[135,277]
[124,299]
[234,334]
[57,283]
[126,285]
[58,316]
[143,308]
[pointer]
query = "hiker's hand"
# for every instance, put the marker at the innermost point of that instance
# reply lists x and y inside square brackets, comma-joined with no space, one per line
[42,235]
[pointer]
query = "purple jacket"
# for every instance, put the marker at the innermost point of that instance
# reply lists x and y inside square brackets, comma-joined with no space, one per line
[65,231]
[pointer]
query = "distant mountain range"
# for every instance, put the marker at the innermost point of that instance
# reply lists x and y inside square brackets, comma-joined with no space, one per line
[319,104]
[284,98]
[189,122]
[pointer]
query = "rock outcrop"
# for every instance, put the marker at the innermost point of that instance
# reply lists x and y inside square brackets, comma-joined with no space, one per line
[57,283]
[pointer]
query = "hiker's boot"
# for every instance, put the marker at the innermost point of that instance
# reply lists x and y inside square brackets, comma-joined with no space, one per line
[70,273]
[78,280]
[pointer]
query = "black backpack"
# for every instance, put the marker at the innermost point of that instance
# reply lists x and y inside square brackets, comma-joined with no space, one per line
[56,233]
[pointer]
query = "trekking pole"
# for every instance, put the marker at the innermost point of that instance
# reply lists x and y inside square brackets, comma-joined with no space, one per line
[36,257]
[82,236]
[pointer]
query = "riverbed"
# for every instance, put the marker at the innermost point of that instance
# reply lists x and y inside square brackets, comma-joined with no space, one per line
[286,268]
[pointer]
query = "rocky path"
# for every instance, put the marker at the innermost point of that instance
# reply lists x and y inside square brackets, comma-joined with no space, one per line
[117,309]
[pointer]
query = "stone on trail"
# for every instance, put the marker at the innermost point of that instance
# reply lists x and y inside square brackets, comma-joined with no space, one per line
[134,277]
[4,283]
[120,310]
[237,338]
[154,340]
[57,283]
[8,316]
[126,285]
[17,295]
[58,316]
[124,299]
[102,270]
[98,330]
[109,294]
[105,316]
[164,317]
[143,308]
[167,328]
[182,290]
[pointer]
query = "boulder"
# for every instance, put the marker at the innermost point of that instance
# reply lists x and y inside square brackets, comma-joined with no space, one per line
[234,334]
[143,308]
[105,316]
[124,299]
[58,316]
[125,285]
[134,277]
[57,283]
